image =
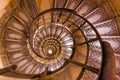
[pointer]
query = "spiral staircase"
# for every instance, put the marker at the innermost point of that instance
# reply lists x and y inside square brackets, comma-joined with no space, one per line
[57,39]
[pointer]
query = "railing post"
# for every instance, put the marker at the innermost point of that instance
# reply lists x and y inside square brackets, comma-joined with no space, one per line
[108,64]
